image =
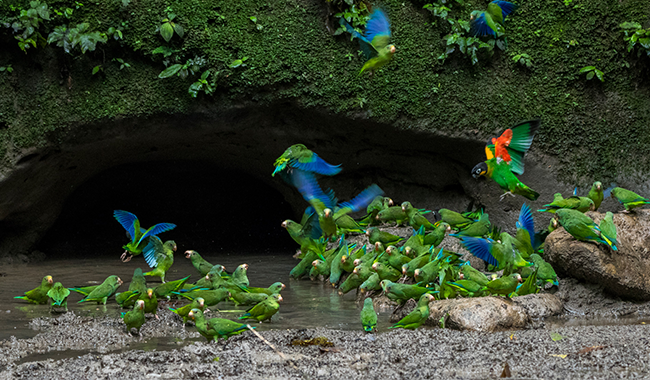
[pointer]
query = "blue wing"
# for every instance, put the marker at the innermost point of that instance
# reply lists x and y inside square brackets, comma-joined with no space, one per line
[361,201]
[479,27]
[366,47]
[479,248]
[307,185]
[378,25]
[127,220]
[506,7]
[157,229]
[150,251]
[316,165]
[608,191]
[526,221]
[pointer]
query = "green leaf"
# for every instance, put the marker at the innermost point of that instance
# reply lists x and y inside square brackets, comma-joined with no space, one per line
[556,336]
[586,68]
[253,19]
[205,74]
[43,11]
[630,25]
[194,89]
[167,31]
[600,75]
[171,70]
[501,44]
[125,3]
[179,30]
[236,63]
[96,69]
[590,75]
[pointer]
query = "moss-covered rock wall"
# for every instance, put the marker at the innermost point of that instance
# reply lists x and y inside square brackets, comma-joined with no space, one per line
[593,128]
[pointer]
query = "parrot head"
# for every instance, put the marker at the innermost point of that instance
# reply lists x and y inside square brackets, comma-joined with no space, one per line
[48,279]
[479,170]
[405,268]
[390,202]
[278,298]
[140,304]
[378,246]
[417,273]
[356,262]
[189,254]
[375,266]
[390,249]
[598,185]
[592,206]
[406,205]
[192,314]
[149,292]
[356,270]
[285,224]
[461,276]
[344,258]
[315,262]
[327,213]
[244,266]
[518,276]
[474,15]
[207,277]
[407,251]
[430,297]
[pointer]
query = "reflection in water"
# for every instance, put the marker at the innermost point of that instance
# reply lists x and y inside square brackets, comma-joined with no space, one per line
[306,304]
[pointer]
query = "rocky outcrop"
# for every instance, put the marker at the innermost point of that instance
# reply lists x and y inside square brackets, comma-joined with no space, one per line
[487,313]
[625,273]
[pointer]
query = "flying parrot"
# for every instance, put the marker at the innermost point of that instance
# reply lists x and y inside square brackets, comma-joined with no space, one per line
[505,156]
[375,43]
[491,22]
[140,241]
[163,257]
[299,157]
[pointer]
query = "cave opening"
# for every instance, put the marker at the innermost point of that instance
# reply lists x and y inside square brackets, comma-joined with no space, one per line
[216,210]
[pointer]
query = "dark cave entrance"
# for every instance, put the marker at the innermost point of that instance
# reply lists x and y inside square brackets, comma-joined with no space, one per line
[216,210]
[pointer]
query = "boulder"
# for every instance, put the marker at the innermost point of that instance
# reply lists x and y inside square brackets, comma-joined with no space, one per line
[487,313]
[624,273]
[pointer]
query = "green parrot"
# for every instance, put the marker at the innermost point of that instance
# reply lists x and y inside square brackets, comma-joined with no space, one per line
[346,224]
[167,289]
[428,273]
[477,229]
[414,245]
[545,271]
[375,43]
[215,328]
[347,260]
[491,22]
[163,257]
[244,298]
[376,235]
[467,288]
[392,214]
[629,199]
[304,265]
[39,294]
[140,238]
[455,219]
[239,277]
[529,286]
[104,291]
[275,288]
[582,204]
[353,281]
[59,296]
[501,174]
[396,259]
[378,204]
[335,268]
[416,220]
[579,225]
[401,293]
[409,268]
[504,285]
[368,315]
[467,272]
[596,194]
[84,290]
[435,237]
[210,297]
[386,272]
[264,310]
[197,303]
[320,267]
[198,262]
[608,230]
[150,302]
[299,157]
[134,319]
[418,316]
[137,286]
[372,283]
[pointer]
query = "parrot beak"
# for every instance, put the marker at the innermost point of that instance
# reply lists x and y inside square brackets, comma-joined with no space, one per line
[368,231]
[389,250]
[49,280]
[356,262]
[377,246]
[520,279]
[417,273]
[175,247]
[375,266]
[284,224]
[430,297]
[149,293]
[207,277]
[404,269]
[390,202]
[188,254]
[448,229]
[355,271]
[283,286]
[407,250]
[314,263]
[393,49]
[280,298]
[376,218]
[343,259]
[327,212]
[403,208]
[245,266]
[191,314]
[461,276]
[119,281]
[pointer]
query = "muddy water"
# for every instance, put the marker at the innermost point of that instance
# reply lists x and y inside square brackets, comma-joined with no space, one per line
[306,304]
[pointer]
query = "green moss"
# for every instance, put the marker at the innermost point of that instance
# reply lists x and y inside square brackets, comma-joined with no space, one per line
[592,128]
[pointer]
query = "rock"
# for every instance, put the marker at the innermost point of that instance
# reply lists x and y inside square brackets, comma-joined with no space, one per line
[488,313]
[624,272]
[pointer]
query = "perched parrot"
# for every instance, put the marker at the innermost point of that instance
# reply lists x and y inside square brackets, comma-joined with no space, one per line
[150,302]
[392,214]
[629,199]
[139,236]
[386,272]
[215,328]
[491,22]
[395,258]
[39,294]
[477,229]
[372,283]
[467,288]
[504,285]
[368,315]
[163,257]
[529,286]
[167,289]
[401,293]
[197,303]
[467,272]
[137,287]
[377,205]
[246,299]
[545,271]
[608,230]
[264,310]
[353,281]
[239,276]
[275,288]
[210,297]
[582,204]
[299,157]
[375,43]
[436,237]
[376,235]
[418,316]
[198,262]
[416,219]
[326,205]
[579,225]
[59,296]
[455,219]
[134,319]
[101,293]
[596,194]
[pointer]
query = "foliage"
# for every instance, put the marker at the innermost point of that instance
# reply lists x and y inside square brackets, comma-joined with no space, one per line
[254,20]
[122,63]
[355,12]
[182,70]
[636,36]
[165,51]
[523,59]
[591,71]
[203,85]
[470,46]
[80,35]
[237,63]
[168,27]
[7,68]
[440,9]
[28,23]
